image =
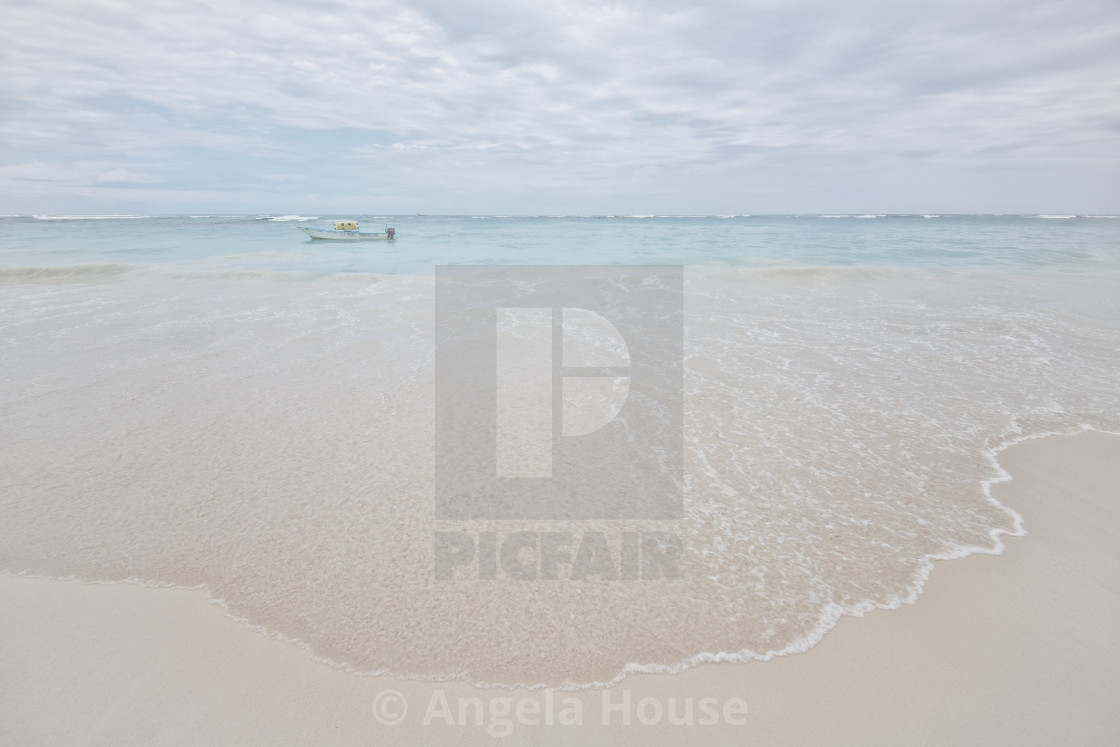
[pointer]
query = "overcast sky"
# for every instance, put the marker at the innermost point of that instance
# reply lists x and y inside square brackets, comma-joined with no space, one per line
[445,106]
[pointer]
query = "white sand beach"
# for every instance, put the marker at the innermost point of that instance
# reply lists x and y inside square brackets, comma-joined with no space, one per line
[1017,648]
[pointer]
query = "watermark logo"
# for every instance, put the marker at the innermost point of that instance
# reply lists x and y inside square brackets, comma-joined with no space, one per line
[551,556]
[390,707]
[558,392]
[502,715]
[526,418]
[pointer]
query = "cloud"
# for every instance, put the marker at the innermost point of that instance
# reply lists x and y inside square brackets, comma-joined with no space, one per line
[119,175]
[82,173]
[575,101]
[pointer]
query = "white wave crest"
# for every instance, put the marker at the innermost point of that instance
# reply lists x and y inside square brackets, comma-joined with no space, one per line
[88,217]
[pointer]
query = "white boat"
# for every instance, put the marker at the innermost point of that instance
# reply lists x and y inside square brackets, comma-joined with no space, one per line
[347,230]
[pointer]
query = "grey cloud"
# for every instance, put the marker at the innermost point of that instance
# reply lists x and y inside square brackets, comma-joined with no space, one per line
[632,97]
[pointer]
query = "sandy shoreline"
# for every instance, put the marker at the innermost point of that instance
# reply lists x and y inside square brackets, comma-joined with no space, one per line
[1008,649]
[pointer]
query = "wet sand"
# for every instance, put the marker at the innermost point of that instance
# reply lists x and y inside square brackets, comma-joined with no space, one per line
[1017,648]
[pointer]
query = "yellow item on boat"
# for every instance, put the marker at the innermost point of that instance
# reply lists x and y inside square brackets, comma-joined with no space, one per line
[346,225]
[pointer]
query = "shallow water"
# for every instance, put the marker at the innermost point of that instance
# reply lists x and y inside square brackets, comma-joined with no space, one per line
[218,401]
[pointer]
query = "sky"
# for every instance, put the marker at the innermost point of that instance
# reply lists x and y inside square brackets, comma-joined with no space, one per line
[569,107]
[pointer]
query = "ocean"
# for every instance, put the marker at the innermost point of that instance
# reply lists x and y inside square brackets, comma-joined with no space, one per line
[218,402]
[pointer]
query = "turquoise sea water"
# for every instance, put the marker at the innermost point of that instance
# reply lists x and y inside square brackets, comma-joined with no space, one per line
[272,244]
[219,401]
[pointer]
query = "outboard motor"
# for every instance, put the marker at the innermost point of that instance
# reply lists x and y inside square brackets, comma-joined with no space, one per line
[392,233]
